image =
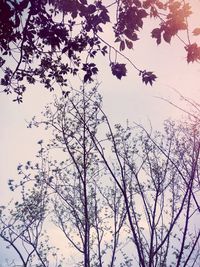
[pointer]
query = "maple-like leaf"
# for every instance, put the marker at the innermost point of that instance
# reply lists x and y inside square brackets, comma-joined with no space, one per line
[148,77]
[193,52]
[118,70]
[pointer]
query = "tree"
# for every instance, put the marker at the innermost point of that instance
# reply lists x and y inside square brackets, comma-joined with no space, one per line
[118,189]
[47,41]
[22,228]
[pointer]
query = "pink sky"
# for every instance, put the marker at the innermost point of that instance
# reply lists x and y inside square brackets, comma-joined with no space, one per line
[125,99]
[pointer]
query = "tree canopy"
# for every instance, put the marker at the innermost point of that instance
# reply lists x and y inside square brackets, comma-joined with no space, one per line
[49,40]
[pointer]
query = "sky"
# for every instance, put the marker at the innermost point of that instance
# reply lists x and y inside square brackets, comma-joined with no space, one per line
[122,100]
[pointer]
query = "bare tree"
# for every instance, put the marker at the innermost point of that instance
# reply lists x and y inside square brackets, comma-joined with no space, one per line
[22,227]
[159,174]
[121,196]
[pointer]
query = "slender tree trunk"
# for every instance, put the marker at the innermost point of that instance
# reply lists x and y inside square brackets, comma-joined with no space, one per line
[86,215]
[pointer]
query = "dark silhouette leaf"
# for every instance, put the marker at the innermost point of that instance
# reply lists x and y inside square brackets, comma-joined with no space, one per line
[91,9]
[122,46]
[118,70]
[148,77]
[193,52]
[167,36]
[129,44]
[156,33]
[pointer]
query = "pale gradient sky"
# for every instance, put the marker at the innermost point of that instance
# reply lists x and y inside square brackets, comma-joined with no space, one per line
[125,99]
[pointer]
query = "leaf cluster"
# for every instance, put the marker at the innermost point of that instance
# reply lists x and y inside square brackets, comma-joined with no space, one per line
[50,40]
